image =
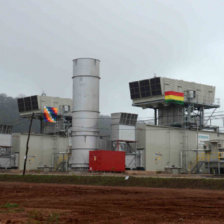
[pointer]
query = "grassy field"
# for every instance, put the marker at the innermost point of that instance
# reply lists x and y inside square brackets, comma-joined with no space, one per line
[203,183]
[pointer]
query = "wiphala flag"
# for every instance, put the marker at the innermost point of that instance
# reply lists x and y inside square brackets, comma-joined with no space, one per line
[50,114]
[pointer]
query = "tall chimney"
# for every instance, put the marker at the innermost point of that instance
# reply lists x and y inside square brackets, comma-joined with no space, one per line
[85,113]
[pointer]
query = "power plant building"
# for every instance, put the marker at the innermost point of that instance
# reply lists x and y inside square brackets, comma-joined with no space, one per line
[6,160]
[179,149]
[180,139]
[49,152]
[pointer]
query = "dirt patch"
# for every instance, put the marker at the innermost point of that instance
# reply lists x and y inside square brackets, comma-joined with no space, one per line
[59,203]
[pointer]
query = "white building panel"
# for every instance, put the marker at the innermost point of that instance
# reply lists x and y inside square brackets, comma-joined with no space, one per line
[172,147]
[44,150]
[5,140]
[5,162]
[123,132]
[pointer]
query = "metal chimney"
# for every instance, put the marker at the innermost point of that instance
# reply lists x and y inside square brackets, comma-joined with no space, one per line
[85,110]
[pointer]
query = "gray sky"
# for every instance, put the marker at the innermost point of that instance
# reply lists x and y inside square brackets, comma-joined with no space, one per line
[134,39]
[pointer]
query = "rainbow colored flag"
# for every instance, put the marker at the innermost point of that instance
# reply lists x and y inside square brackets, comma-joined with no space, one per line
[50,114]
[174,97]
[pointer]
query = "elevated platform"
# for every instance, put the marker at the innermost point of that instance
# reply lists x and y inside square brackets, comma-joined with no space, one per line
[156,104]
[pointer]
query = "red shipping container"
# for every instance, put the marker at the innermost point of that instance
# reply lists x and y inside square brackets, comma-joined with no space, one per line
[110,161]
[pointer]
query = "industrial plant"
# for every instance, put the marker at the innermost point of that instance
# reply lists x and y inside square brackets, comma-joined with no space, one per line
[179,140]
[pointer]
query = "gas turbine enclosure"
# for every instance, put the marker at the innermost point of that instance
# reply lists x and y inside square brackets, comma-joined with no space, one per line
[35,104]
[85,113]
[175,102]
[149,93]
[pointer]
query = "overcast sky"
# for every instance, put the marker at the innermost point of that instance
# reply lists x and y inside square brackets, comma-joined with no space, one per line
[134,39]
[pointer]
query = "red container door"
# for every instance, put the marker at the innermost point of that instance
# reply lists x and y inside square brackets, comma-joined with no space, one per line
[108,161]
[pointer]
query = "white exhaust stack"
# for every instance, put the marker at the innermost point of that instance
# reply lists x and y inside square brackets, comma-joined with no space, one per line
[85,110]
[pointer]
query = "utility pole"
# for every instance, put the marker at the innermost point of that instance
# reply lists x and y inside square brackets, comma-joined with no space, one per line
[27,144]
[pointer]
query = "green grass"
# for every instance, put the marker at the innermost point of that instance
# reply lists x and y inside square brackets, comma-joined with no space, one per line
[9,205]
[10,208]
[203,183]
[53,218]
[35,216]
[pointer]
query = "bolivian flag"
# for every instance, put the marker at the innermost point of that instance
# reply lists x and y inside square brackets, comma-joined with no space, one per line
[174,97]
[50,114]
